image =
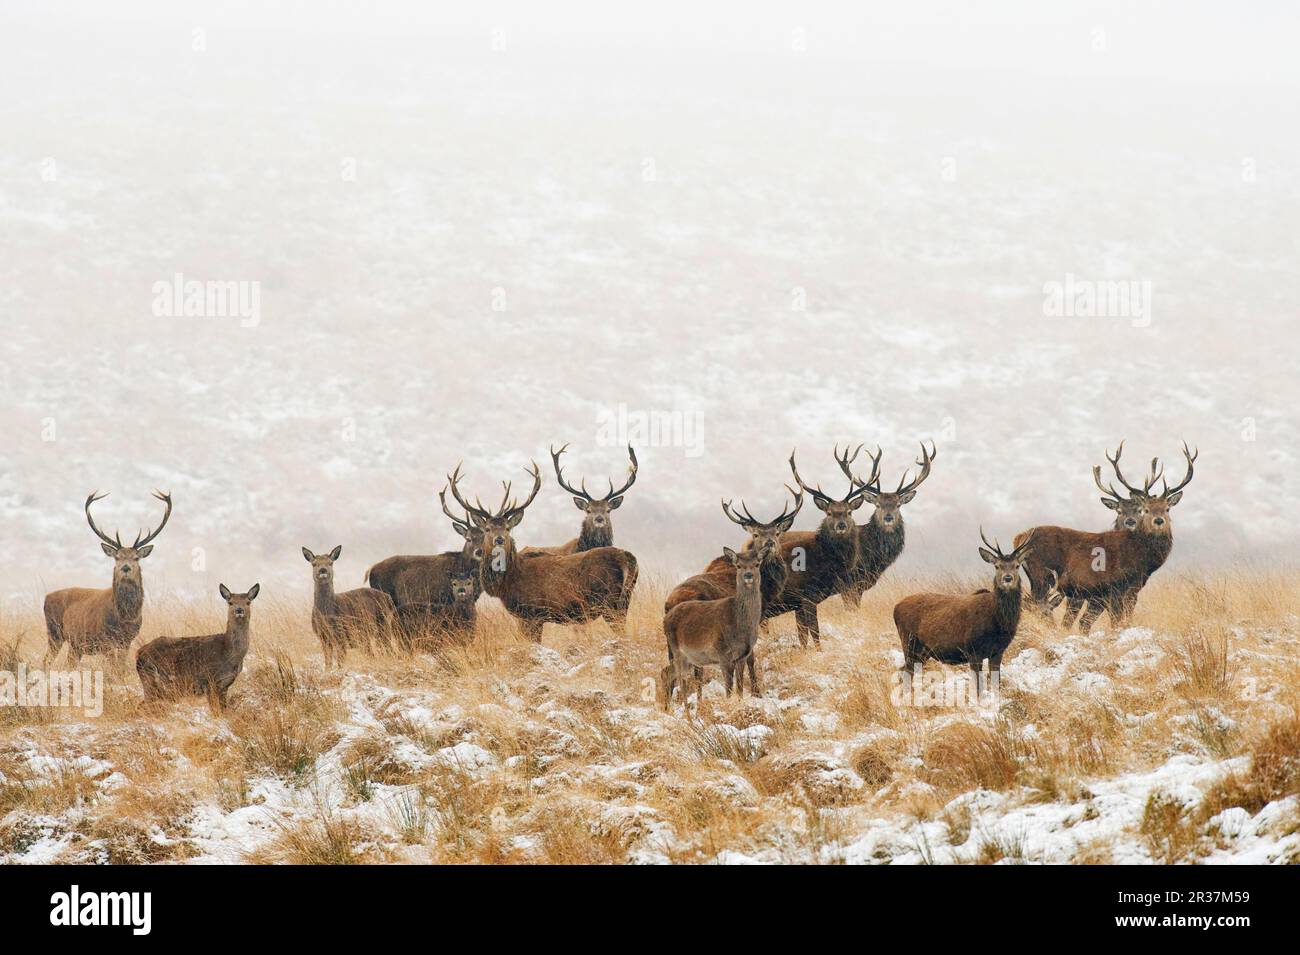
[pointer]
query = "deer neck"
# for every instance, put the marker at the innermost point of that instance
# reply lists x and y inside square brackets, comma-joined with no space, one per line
[593,536]
[237,636]
[128,597]
[843,548]
[879,543]
[500,571]
[748,608]
[1006,610]
[323,599]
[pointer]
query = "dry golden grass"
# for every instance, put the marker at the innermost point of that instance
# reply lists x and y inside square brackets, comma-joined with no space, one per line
[502,751]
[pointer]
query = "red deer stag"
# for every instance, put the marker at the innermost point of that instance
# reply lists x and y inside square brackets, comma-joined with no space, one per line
[1108,569]
[820,561]
[547,588]
[170,667]
[355,618]
[424,582]
[103,621]
[597,522]
[967,629]
[881,538]
[718,633]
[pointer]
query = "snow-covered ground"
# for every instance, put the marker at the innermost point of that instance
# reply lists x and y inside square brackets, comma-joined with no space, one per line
[478,234]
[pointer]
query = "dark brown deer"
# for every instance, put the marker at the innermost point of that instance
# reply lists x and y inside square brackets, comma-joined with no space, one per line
[718,633]
[881,538]
[1108,569]
[435,626]
[355,618]
[171,667]
[597,522]
[426,580]
[820,561]
[103,621]
[966,629]
[547,588]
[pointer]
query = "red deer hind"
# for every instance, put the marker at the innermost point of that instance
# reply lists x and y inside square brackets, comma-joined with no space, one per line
[103,621]
[355,618]
[597,522]
[547,588]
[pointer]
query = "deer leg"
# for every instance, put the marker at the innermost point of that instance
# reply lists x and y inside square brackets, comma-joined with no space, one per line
[740,677]
[977,673]
[753,675]
[806,619]
[1125,604]
[728,675]
[1090,615]
[1072,609]
[995,674]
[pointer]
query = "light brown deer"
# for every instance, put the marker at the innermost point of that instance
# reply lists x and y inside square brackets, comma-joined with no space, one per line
[597,522]
[966,629]
[1108,569]
[171,667]
[881,538]
[93,621]
[547,588]
[425,580]
[718,632]
[355,618]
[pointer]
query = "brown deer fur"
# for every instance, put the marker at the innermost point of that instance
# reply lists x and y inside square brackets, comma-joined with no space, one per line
[171,667]
[966,629]
[355,618]
[435,626]
[548,588]
[103,621]
[426,580]
[719,632]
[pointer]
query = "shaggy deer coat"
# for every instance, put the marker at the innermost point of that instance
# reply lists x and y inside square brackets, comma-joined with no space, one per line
[171,667]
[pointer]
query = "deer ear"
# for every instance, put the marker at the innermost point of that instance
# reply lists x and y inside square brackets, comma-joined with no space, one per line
[614,502]
[820,504]
[988,555]
[905,497]
[254,591]
[144,551]
[515,519]
[308,555]
[580,503]
[730,554]
[109,549]
[334,554]
[462,529]
[1174,498]
[224,591]
[1110,502]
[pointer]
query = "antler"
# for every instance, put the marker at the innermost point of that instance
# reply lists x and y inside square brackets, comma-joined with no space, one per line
[442,497]
[817,492]
[513,508]
[993,546]
[997,548]
[476,514]
[96,496]
[144,537]
[1015,554]
[1191,458]
[582,490]
[748,520]
[927,458]
[844,461]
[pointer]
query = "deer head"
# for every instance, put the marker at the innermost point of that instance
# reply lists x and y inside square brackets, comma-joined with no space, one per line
[322,565]
[126,560]
[888,513]
[1006,567]
[596,522]
[838,521]
[494,527]
[241,605]
[1154,517]
[464,526]
[763,533]
[747,564]
[462,587]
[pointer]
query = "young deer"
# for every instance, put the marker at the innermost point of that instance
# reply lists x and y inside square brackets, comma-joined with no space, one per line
[434,626]
[597,522]
[1106,570]
[353,618]
[820,561]
[881,538]
[966,629]
[425,580]
[171,667]
[718,632]
[548,588]
[103,621]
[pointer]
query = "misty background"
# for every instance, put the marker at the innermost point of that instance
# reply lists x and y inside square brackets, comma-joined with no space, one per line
[475,233]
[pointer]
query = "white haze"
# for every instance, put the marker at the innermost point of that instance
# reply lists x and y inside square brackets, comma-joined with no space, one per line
[921,171]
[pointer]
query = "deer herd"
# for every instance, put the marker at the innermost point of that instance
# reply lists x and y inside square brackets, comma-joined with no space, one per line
[712,619]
